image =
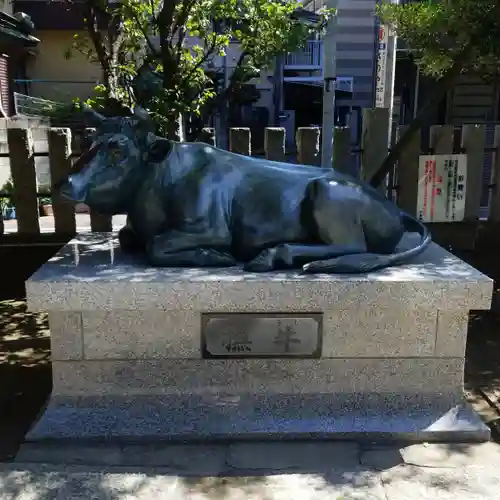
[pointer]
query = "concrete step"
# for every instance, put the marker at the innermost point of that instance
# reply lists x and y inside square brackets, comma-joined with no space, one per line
[249,417]
[199,459]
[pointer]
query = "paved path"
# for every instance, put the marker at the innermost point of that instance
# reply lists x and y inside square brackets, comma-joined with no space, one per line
[255,471]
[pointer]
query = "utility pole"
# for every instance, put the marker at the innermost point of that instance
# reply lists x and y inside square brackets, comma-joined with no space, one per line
[222,118]
[386,70]
[330,75]
[385,80]
[391,76]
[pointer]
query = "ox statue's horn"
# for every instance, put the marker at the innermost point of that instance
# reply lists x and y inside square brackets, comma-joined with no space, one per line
[92,115]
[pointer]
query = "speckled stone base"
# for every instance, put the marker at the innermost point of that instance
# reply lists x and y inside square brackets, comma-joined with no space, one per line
[172,418]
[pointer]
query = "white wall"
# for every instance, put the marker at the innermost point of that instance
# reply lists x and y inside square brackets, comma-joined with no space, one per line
[60,78]
[7,6]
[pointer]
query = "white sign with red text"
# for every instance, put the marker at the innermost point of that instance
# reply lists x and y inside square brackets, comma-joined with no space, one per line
[442,181]
[383,40]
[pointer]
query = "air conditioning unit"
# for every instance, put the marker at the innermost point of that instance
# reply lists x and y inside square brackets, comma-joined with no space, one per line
[345,83]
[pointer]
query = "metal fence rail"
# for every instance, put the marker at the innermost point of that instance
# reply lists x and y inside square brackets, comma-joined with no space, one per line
[26,105]
[310,55]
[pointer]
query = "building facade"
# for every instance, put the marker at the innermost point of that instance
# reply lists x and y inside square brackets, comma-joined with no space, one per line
[16,46]
[356,49]
[55,71]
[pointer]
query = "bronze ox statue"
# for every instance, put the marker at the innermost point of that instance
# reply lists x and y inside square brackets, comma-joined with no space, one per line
[193,205]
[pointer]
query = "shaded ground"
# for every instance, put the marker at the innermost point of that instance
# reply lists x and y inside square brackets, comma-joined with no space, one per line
[482,371]
[25,369]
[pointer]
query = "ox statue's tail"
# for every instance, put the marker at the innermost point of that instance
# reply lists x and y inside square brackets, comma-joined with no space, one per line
[366,262]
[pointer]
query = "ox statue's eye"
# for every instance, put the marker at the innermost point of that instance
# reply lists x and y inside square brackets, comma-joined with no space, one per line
[115,151]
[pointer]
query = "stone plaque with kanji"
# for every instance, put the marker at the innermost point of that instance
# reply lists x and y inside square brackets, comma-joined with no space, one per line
[261,335]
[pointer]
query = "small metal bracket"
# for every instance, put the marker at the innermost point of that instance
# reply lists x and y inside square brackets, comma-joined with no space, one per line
[328,81]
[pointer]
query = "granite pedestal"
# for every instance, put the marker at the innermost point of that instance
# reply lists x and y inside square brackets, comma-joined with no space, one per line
[189,354]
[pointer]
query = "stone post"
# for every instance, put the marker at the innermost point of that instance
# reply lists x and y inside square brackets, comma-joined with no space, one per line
[307,139]
[374,141]
[407,174]
[342,150]
[208,136]
[274,143]
[59,140]
[240,141]
[22,166]
[473,142]
[494,214]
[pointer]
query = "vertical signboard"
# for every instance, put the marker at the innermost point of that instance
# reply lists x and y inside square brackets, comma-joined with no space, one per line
[383,40]
[442,188]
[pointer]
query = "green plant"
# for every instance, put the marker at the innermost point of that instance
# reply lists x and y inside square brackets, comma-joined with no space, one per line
[44,196]
[6,189]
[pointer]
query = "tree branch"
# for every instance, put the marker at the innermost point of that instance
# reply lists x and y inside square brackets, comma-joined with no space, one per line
[143,31]
[182,17]
[180,41]
[117,36]
[165,24]
[204,59]
[219,99]
[95,35]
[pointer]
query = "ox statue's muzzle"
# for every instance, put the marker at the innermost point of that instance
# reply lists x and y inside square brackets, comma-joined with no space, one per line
[74,186]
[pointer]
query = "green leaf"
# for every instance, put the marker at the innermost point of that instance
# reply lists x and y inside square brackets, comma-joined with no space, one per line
[437,32]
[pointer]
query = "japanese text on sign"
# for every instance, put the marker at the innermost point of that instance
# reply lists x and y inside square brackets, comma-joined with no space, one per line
[241,343]
[383,40]
[442,188]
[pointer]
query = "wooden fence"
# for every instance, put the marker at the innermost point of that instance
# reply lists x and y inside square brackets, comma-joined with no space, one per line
[403,184]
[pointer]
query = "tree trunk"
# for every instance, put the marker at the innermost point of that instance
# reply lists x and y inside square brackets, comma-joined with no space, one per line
[173,131]
[441,88]
[170,71]
[111,83]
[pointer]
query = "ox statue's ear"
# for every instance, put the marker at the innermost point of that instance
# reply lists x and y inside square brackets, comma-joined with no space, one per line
[91,117]
[141,113]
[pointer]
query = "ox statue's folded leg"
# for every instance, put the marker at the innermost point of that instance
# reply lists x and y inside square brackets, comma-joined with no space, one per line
[356,263]
[178,249]
[129,241]
[195,257]
[293,256]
